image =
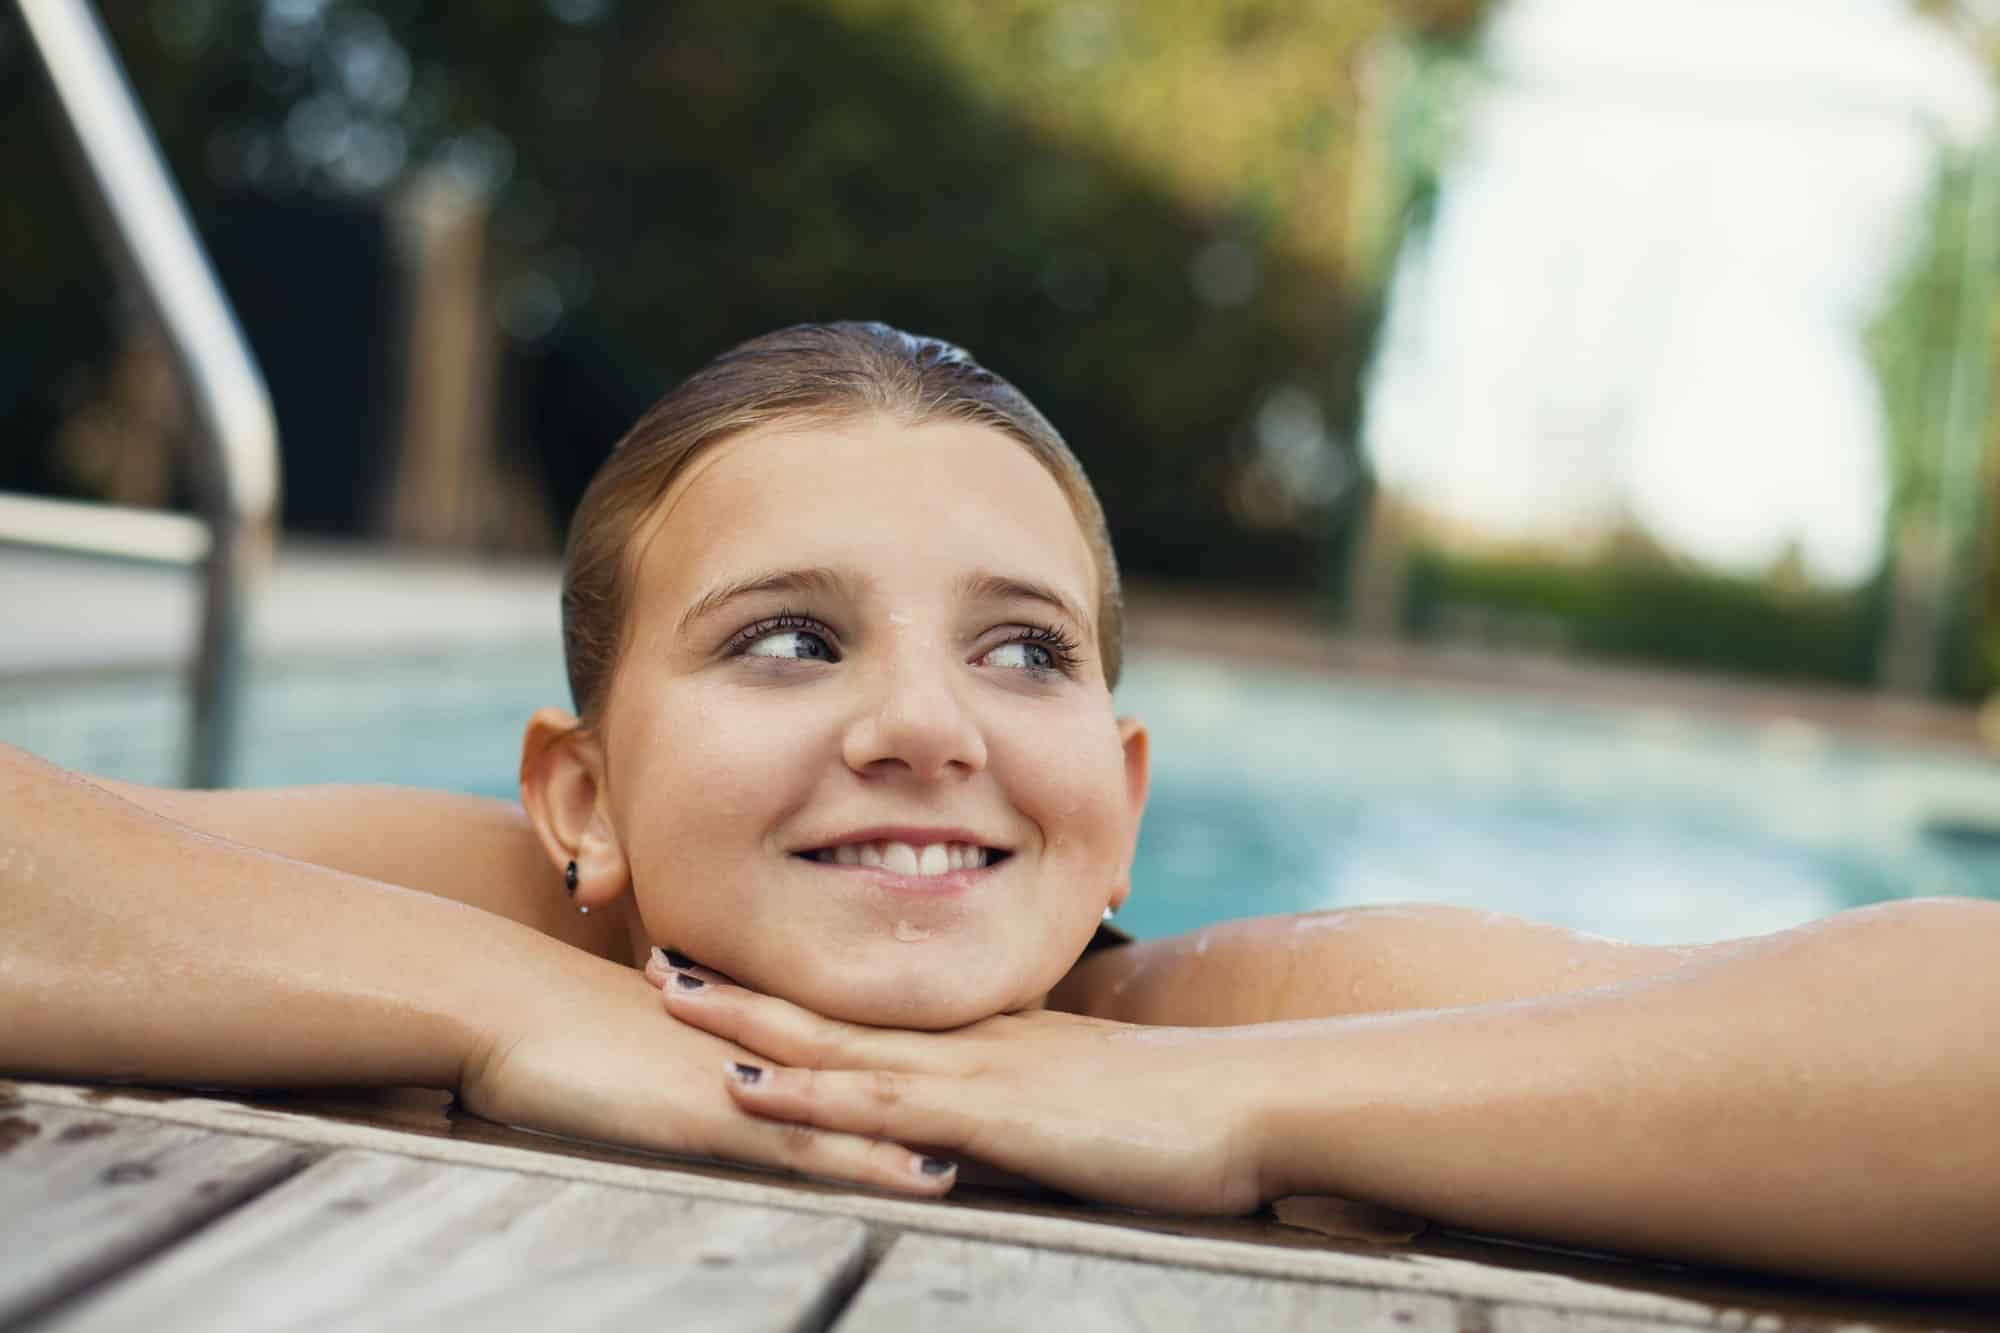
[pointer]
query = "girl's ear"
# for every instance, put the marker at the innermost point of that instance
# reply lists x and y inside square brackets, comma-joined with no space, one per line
[1138,782]
[563,791]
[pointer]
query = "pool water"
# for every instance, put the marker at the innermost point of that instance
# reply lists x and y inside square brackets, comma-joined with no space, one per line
[1273,791]
[1279,792]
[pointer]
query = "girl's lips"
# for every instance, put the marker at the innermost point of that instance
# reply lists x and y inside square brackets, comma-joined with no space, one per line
[931,869]
[912,850]
[924,859]
[950,884]
[909,860]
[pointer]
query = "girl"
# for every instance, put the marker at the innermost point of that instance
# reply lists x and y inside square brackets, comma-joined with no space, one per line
[842,626]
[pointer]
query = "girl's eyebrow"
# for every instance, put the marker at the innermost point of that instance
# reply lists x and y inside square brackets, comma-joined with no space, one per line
[796,581]
[824,581]
[999,588]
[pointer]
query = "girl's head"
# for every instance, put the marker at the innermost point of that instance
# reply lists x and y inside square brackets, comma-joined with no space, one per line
[841,622]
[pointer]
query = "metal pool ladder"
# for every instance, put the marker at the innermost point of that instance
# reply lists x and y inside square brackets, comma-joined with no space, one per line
[234,438]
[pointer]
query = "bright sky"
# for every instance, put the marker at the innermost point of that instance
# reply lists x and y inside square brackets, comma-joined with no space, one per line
[1667,225]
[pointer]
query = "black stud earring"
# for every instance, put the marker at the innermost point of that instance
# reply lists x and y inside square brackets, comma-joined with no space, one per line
[569,879]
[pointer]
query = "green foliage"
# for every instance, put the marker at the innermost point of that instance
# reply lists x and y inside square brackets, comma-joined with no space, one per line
[1636,606]
[1935,347]
[1134,208]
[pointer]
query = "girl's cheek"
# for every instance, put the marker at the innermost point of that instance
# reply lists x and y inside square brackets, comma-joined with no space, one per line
[692,766]
[732,771]
[1074,784]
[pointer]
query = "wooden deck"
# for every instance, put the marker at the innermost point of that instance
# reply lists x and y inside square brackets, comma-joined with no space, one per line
[126,1208]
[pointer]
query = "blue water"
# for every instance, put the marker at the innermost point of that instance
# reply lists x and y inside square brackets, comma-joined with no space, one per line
[1272,791]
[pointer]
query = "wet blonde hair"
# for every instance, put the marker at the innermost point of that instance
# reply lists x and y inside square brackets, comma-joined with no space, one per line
[810,373]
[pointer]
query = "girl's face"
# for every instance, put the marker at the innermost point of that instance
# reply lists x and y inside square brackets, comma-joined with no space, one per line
[859,751]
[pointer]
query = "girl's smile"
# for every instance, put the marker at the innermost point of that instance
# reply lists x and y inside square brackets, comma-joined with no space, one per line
[933,860]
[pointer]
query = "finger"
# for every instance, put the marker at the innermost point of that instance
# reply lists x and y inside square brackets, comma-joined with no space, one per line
[831,1155]
[787,1033]
[875,1104]
[662,965]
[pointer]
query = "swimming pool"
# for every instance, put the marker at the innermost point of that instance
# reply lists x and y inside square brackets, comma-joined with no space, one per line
[1274,790]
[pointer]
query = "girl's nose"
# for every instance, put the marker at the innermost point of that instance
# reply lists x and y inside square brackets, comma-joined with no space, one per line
[913,719]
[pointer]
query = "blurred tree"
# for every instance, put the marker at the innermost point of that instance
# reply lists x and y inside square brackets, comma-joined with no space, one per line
[1138,209]
[1937,347]
[1934,355]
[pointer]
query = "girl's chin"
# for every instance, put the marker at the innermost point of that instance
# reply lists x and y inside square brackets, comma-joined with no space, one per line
[928,1003]
[945,979]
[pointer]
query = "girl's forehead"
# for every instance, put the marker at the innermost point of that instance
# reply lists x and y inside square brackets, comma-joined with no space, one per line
[889,499]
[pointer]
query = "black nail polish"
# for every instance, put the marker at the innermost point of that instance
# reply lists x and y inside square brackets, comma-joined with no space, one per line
[936,1166]
[687,981]
[675,958]
[745,1074]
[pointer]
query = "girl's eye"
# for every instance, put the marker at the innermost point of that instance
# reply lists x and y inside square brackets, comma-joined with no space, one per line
[1037,649]
[1028,656]
[800,644]
[785,638]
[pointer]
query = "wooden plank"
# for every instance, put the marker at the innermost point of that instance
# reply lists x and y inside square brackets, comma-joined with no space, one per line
[368,1240]
[1529,1319]
[83,1194]
[1081,1231]
[931,1284]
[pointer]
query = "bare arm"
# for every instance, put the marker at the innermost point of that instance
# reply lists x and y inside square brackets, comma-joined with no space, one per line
[1819,1100]
[467,848]
[134,947]
[140,948]
[1360,960]
[1820,1097]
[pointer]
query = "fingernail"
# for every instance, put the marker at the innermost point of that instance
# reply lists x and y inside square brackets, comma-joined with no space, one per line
[662,957]
[935,1166]
[688,981]
[675,958]
[744,1074]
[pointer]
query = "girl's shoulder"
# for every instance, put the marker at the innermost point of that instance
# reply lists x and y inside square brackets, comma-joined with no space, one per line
[1345,961]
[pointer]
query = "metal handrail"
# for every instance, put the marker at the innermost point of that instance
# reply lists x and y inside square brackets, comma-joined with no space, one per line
[235,435]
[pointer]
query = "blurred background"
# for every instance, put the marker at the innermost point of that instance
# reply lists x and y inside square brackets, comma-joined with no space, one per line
[1552,443]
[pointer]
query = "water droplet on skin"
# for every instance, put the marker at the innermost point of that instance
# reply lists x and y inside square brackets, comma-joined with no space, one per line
[909,932]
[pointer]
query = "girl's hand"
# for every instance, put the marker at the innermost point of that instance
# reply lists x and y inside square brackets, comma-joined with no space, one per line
[1163,1118]
[588,1055]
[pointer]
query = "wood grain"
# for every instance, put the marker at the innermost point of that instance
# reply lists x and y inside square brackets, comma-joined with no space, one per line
[368,1240]
[1528,1319]
[84,1195]
[1074,1228]
[931,1284]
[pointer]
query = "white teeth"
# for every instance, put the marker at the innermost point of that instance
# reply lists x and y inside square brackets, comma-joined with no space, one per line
[902,858]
